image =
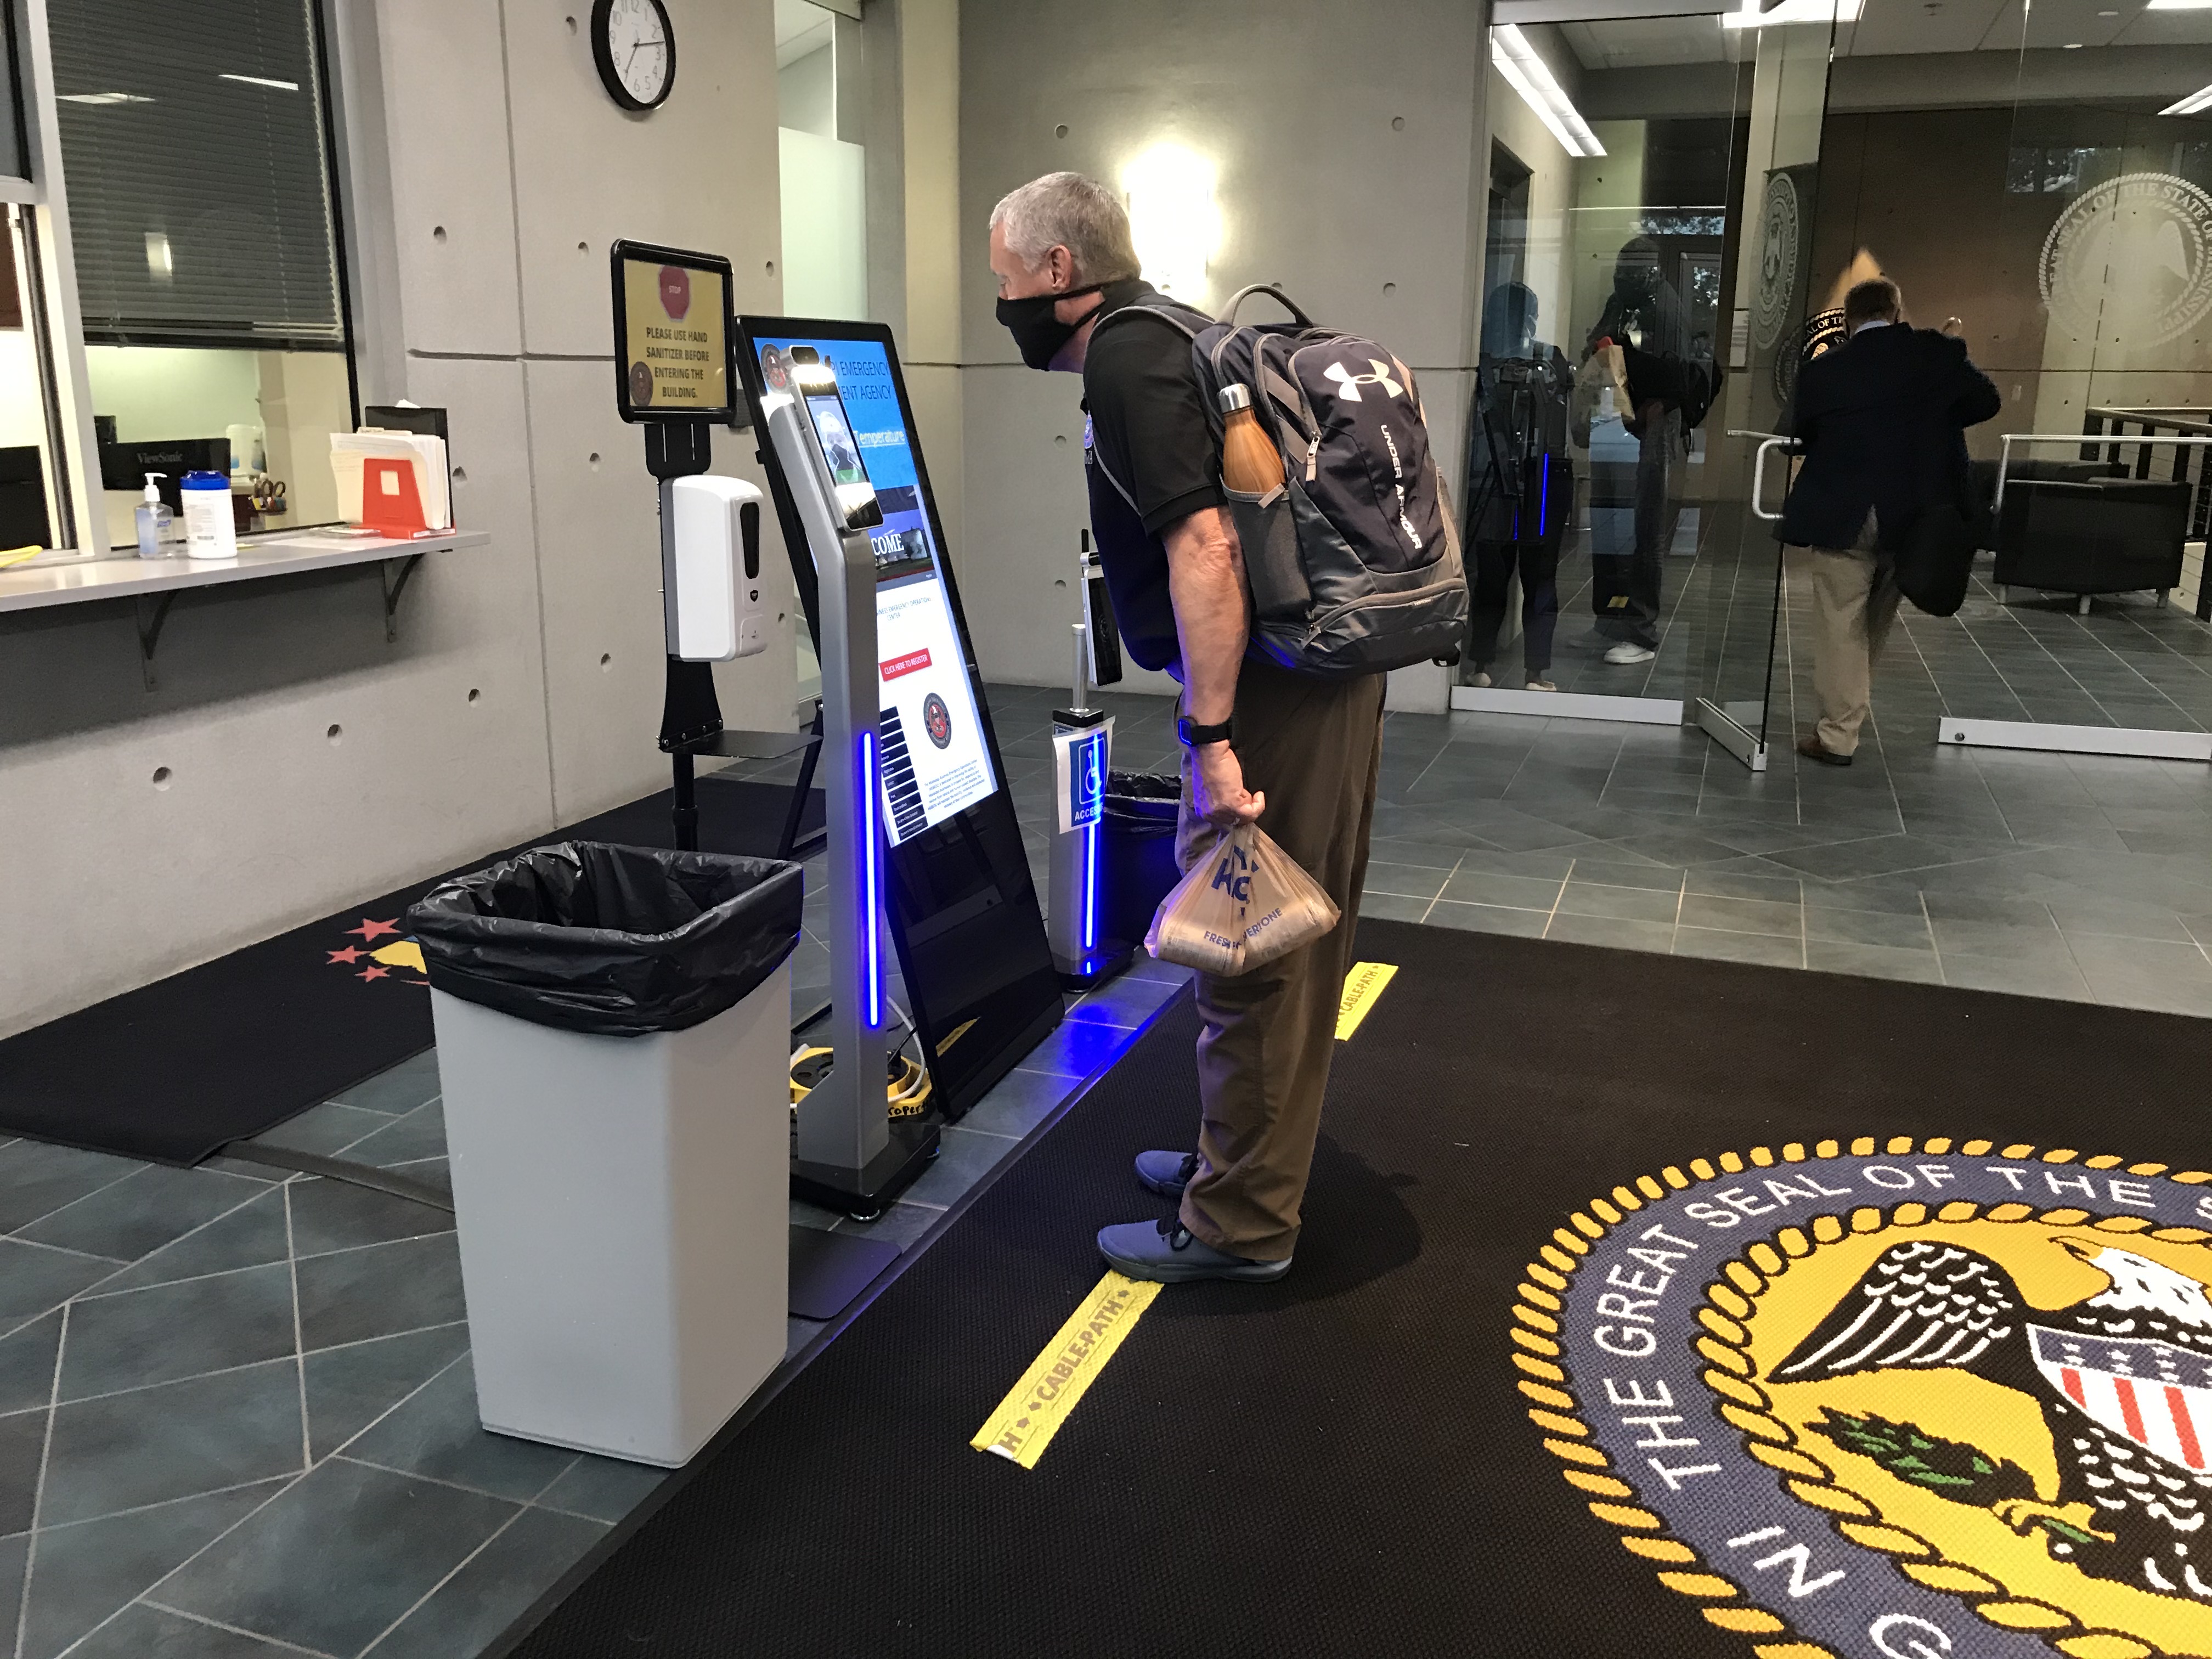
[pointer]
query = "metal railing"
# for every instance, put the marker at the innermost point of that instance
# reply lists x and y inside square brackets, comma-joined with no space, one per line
[2188,464]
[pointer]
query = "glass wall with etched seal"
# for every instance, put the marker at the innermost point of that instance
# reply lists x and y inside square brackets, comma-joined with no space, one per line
[2038,181]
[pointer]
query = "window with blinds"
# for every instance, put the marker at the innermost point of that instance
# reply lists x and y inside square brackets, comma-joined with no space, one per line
[198,177]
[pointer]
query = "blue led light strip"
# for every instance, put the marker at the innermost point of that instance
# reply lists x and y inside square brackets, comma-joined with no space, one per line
[871,887]
[1091,888]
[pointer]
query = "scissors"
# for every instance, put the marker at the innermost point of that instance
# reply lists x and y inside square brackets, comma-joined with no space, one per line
[268,494]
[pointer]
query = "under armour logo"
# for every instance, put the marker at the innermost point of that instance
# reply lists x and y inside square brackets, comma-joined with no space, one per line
[1349,384]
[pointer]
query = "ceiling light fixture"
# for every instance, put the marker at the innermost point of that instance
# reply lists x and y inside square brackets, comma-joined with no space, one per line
[2179,5]
[2195,104]
[1527,74]
[1799,11]
[261,81]
[102,98]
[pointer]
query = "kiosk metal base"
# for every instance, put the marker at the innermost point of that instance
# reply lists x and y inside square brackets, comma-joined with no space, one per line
[1094,968]
[867,1192]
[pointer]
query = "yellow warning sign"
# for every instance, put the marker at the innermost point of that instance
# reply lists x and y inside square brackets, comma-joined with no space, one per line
[1028,1417]
[1362,986]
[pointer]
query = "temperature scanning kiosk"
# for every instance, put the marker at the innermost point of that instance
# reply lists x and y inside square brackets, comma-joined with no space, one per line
[908,747]
[848,1148]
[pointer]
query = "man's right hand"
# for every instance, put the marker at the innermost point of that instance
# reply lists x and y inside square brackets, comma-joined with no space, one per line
[1218,792]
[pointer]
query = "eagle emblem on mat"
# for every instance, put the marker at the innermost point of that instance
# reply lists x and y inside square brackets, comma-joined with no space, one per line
[2123,1378]
[1908,1399]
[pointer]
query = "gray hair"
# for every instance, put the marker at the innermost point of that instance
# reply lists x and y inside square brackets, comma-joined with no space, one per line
[1065,210]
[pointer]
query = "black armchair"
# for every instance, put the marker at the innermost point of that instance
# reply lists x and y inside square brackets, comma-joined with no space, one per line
[2080,527]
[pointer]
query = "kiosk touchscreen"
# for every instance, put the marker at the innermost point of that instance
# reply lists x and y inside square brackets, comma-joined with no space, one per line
[964,908]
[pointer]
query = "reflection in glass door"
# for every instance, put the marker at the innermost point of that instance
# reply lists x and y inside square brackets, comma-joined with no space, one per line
[1736,602]
[1612,576]
[2040,180]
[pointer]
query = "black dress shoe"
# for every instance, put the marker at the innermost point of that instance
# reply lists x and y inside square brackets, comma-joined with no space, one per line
[1813,749]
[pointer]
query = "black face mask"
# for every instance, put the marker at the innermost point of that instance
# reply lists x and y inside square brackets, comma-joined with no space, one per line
[1036,331]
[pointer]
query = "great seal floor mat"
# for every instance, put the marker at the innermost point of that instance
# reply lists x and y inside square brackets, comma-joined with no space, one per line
[1644,1306]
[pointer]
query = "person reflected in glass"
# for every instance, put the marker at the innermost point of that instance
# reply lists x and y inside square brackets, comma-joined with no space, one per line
[1521,486]
[1667,390]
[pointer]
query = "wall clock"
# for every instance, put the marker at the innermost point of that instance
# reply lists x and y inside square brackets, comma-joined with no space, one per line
[635,46]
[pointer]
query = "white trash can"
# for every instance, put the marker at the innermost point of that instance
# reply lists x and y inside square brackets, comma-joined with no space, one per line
[622,1204]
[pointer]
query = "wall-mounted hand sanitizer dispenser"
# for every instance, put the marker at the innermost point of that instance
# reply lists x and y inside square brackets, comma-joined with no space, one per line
[715,599]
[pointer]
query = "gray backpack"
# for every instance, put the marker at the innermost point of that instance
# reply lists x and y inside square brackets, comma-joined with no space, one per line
[1354,560]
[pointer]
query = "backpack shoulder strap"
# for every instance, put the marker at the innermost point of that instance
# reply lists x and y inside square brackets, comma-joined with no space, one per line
[1176,319]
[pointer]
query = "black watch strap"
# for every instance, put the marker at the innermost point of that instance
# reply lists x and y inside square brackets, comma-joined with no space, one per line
[1191,734]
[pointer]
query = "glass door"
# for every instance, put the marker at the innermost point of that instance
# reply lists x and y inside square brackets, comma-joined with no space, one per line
[1773,328]
[1631,159]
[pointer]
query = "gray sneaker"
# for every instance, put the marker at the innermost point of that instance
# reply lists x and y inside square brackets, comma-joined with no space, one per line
[1168,1251]
[1167,1173]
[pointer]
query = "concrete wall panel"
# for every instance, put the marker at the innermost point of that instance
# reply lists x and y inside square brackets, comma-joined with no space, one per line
[453,200]
[699,172]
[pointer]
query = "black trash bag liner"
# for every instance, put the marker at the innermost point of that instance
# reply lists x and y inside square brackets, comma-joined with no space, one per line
[1136,851]
[614,941]
[1143,797]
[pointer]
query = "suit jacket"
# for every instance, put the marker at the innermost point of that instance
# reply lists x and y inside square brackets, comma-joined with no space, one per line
[1883,421]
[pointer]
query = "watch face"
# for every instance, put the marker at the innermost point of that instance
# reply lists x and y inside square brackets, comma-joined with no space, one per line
[638,50]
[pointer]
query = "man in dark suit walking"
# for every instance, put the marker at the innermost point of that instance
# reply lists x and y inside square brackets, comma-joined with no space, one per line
[1882,420]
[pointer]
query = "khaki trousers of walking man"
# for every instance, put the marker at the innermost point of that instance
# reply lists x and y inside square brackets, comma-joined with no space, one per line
[1854,602]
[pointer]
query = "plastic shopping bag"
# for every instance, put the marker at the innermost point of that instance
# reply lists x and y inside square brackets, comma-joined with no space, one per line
[1244,903]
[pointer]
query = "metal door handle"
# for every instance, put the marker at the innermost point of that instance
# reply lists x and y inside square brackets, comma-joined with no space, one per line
[1759,479]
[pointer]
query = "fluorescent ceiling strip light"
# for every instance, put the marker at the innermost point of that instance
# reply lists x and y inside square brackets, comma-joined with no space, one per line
[261,81]
[2196,101]
[2179,5]
[1527,74]
[102,98]
[1799,11]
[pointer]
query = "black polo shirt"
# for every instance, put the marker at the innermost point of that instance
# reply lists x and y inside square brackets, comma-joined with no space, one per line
[1148,429]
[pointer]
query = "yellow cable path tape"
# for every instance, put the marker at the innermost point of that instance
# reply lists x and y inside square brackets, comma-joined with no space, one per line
[1362,986]
[1027,1419]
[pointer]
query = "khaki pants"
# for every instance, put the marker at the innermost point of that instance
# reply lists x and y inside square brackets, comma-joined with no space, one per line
[1854,603]
[1312,747]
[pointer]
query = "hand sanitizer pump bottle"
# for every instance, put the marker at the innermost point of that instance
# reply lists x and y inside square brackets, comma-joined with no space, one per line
[154,521]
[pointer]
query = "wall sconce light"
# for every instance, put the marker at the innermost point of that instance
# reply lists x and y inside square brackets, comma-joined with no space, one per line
[1173,218]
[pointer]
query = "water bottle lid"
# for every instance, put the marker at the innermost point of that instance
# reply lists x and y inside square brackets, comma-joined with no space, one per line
[205,481]
[1235,396]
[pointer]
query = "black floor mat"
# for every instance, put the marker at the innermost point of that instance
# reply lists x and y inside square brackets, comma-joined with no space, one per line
[225,1050]
[1343,1463]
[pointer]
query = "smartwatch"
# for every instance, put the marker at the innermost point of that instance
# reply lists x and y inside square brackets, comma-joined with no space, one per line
[1192,735]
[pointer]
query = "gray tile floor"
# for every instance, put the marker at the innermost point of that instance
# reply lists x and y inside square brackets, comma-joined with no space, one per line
[2130,662]
[2075,876]
[236,1413]
[237,1417]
